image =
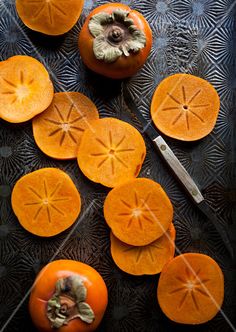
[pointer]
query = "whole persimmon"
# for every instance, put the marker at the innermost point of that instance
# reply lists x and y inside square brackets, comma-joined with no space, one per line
[115,40]
[68,296]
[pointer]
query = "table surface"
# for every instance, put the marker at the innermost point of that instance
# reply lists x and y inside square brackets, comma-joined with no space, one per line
[192,36]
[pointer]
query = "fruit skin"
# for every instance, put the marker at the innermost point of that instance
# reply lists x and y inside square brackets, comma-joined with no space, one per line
[44,287]
[125,66]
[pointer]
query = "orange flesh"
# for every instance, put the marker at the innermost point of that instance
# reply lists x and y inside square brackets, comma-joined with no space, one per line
[191,289]
[148,259]
[138,211]
[54,17]
[111,153]
[185,107]
[25,90]
[46,202]
[58,130]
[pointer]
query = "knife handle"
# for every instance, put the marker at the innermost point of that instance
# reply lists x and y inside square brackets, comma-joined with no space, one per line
[178,169]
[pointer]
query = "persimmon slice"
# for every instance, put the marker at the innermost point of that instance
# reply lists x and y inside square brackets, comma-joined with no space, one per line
[112,152]
[51,17]
[138,211]
[46,202]
[58,130]
[148,259]
[191,289]
[25,88]
[185,107]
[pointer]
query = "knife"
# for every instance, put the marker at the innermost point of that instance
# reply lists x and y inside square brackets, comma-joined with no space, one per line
[179,170]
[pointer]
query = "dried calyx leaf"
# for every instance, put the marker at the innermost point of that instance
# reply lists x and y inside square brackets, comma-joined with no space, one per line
[115,35]
[68,302]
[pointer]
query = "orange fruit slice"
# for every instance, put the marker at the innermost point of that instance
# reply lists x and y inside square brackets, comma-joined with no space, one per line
[58,130]
[191,289]
[46,202]
[51,17]
[185,107]
[138,211]
[25,90]
[148,259]
[112,152]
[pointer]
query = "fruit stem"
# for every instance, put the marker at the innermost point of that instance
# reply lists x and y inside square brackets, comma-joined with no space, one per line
[68,302]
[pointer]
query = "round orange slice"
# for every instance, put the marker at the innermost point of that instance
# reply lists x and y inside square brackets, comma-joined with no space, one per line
[58,130]
[111,152]
[46,202]
[191,289]
[148,259]
[51,17]
[25,88]
[138,211]
[185,107]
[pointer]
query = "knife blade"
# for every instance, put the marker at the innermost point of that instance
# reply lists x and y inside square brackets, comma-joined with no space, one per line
[179,170]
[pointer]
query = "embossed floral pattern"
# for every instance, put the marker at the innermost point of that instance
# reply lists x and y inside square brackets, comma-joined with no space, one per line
[12,39]
[201,12]
[207,25]
[159,10]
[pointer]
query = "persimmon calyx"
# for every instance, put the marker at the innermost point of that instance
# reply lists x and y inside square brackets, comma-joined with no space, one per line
[68,302]
[115,35]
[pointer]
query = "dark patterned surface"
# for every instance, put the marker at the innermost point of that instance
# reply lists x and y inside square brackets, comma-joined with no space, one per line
[194,36]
